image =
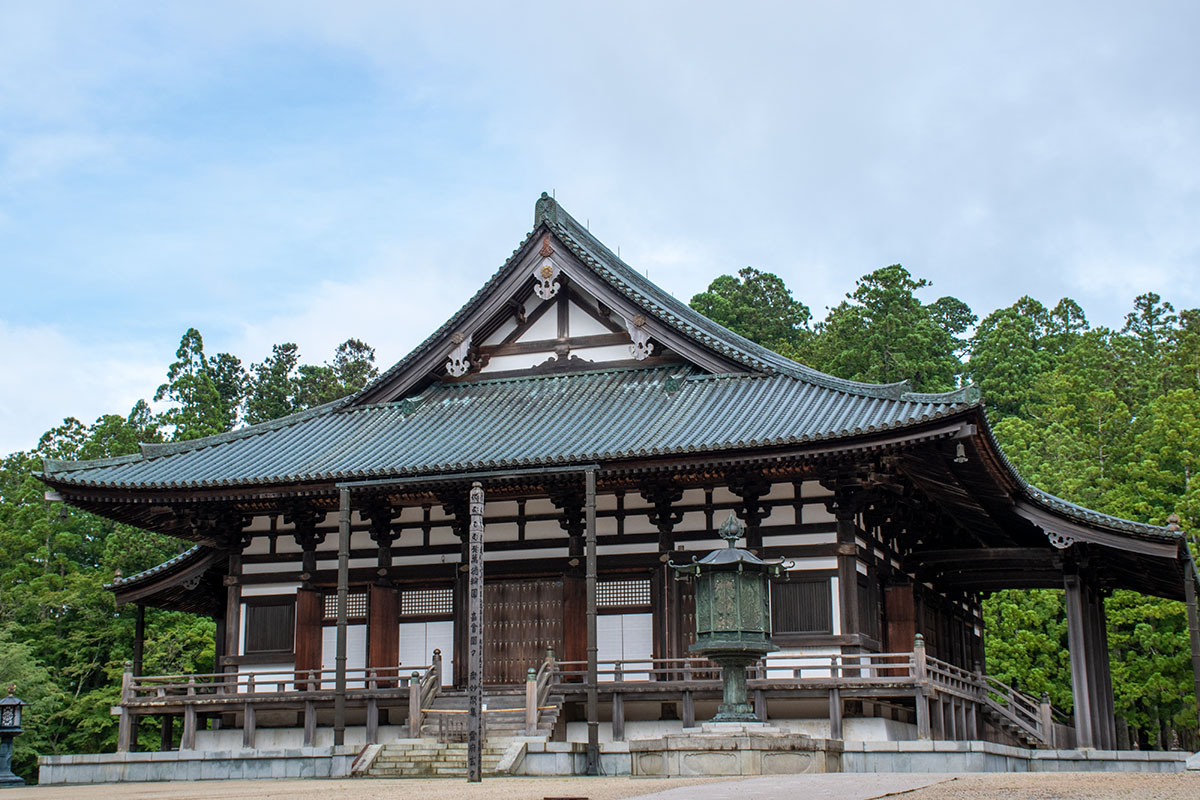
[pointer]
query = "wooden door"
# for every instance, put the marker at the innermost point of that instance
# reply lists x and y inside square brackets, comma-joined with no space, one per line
[521,618]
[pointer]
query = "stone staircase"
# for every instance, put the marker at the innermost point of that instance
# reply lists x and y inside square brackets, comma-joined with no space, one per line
[429,758]
[441,752]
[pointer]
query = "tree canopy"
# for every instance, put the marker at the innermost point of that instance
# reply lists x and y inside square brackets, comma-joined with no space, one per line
[63,641]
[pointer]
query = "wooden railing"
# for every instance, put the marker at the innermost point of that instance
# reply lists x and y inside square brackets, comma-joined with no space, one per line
[248,692]
[949,699]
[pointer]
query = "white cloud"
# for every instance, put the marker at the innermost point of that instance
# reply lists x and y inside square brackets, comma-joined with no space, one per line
[52,376]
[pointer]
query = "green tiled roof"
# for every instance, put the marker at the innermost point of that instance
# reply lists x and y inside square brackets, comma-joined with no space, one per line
[600,416]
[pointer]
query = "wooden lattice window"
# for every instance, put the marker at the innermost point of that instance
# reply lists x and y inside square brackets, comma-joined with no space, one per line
[802,606]
[625,593]
[270,625]
[356,606]
[426,603]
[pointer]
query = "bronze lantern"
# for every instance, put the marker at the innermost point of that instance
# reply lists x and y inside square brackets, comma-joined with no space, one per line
[733,614]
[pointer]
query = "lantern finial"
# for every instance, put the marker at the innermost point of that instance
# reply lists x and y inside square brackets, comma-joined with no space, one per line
[731,529]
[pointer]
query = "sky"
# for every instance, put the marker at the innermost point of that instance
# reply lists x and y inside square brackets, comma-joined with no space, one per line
[308,172]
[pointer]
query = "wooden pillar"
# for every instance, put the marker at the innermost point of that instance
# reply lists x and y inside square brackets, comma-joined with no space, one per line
[310,723]
[901,620]
[139,649]
[1193,613]
[574,611]
[593,710]
[372,720]
[125,719]
[835,713]
[1106,724]
[847,565]
[384,634]
[688,709]
[475,635]
[309,613]
[249,725]
[233,610]
[343,592]
[1077,640]
[167,739]
[918,671]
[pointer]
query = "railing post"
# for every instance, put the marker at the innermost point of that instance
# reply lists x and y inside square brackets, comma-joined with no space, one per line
[437,667]
[249,720]
[531,702]
[1046,720]
[414,705]
[372,721]
[310,723]
[920,680]
[249,726]
[188,739]
[125,719]
[618,705]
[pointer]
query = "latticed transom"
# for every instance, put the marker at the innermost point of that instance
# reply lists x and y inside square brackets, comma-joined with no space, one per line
[426,602]
[626,593]
[356,605]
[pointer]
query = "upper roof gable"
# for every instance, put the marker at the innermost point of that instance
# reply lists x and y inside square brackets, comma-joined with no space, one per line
[559,247]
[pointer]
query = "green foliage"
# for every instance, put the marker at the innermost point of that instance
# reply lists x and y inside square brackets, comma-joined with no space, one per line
[883,333]
[759,306]
[63,640]
[281,385]
[1027,642]
[205,392]
[1107,419]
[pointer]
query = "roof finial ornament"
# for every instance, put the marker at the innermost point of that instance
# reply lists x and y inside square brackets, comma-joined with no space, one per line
[1173,522]
[731,530]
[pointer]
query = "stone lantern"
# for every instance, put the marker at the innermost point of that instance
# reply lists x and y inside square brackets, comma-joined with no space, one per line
[733,614]
[10,726]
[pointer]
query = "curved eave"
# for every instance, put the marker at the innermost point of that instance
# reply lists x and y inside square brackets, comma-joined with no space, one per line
[1055,515]
[183,583]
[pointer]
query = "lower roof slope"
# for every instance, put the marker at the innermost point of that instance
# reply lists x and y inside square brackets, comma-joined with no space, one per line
[603,415]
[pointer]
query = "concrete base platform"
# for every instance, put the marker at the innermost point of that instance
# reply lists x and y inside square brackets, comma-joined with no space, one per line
[958,757]
[194,765]
[791,755]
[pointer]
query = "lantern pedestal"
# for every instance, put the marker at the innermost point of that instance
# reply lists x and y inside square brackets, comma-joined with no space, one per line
[7,778]
[735,705]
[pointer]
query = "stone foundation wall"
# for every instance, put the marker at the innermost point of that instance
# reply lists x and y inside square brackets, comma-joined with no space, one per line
[193,765]
[989,757]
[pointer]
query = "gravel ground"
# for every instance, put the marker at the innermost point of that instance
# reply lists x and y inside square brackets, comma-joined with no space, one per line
[1066,786]
[364,789]
[1016,786]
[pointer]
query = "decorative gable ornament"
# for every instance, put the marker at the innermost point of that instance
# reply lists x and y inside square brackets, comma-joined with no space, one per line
[641,346]
[1060,540]
[458,363]
[546,272]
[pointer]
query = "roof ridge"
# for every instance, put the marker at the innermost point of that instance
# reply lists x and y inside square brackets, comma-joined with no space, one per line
[52,466]
[691,322]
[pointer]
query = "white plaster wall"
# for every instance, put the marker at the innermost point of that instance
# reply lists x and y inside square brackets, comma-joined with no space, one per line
[356,652]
